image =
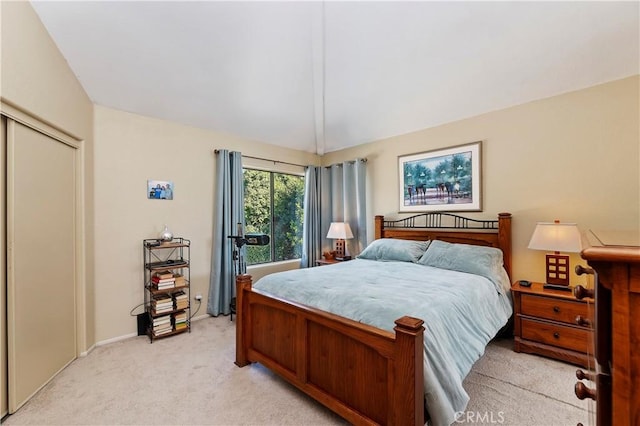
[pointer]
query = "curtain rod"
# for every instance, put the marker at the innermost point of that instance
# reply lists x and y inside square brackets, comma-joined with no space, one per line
[364,160]
[267,159]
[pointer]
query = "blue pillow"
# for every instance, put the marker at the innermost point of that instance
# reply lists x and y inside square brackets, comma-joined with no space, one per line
[391,249]
[478,260]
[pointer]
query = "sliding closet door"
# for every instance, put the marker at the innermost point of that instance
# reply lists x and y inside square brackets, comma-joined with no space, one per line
[3,276]
[41,244]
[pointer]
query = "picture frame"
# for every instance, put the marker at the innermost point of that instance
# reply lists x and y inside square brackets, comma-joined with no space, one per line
[447,179]
[160,189]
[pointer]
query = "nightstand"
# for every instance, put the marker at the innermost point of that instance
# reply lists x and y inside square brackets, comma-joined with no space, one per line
[552,323]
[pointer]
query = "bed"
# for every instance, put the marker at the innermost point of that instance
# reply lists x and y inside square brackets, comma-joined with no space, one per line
[357,364]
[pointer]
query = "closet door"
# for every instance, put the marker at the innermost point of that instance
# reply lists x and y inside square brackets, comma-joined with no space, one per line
[4,387]
[41,244]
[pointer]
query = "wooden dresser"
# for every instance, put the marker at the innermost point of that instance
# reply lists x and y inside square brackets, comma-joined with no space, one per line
[552,323]
[615,258]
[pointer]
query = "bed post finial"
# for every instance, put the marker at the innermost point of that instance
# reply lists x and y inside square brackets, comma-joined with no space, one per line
[408,406]
[379,225]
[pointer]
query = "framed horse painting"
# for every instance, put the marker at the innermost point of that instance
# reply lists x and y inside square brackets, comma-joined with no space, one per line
[443,179]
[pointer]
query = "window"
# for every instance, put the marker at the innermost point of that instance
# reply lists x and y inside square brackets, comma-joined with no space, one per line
[273,205]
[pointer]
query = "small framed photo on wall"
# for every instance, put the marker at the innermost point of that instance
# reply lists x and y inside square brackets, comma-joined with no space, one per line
[447,179]
[160,190]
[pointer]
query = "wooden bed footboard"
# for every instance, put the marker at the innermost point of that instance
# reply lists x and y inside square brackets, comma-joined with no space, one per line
[364,374]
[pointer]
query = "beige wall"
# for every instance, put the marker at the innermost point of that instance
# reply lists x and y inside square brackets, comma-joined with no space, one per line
[573,157]
[129,150]
[36,79]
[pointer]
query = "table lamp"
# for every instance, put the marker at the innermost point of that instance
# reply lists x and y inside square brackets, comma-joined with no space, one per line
[557,237]
[340,231]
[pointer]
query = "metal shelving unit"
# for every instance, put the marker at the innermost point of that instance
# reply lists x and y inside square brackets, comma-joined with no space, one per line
[172,258]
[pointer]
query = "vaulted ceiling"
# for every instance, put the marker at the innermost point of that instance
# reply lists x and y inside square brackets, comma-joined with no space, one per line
[322,76]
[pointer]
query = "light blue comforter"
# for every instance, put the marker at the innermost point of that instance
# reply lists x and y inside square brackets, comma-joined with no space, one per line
[462,313]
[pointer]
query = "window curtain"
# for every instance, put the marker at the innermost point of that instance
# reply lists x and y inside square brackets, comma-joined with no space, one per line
[338,194]
[311,227]
[228,212]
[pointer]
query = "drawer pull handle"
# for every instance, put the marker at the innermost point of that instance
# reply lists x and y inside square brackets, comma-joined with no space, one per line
[581,375]
[580,292]
[556,335]
[583,391]
[556,309]
[582,270]
[582,321]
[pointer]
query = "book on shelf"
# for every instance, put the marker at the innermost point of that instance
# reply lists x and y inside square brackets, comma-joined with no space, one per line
[161,298]
[180,296]
[162,327]
[161,332]
[180,281]
[164,286]
[162,320]
[163,275]
[162,280]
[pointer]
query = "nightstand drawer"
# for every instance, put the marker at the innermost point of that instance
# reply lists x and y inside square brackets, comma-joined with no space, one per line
[573,338]
[553,309]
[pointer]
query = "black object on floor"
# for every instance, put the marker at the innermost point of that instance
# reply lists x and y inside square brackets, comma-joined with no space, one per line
[143,323]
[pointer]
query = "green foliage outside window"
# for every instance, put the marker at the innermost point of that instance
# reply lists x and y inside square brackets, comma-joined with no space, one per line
[273,205]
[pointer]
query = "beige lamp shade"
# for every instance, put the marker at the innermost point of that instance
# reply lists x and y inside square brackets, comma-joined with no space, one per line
[556,237]
[339,231]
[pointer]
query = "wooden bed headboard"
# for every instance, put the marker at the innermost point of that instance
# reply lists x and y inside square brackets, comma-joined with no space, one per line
[451,228]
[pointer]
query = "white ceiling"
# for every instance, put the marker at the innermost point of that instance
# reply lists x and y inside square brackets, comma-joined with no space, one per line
[319,77]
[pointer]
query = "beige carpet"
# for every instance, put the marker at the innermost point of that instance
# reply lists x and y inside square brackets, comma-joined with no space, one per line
[190,379]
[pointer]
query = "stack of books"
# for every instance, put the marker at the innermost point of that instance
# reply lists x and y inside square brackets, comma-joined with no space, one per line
[179,280]
[162,325]
[180,320]
[163,280]
[161,303]
[181,300]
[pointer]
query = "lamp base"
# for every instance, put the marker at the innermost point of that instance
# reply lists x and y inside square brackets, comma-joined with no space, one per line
[557,287]
[558,269]
[341,250]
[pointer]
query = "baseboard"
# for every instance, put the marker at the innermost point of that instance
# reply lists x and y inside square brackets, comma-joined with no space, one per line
[87,352]
[130,335]
[116,339]
[200,317]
